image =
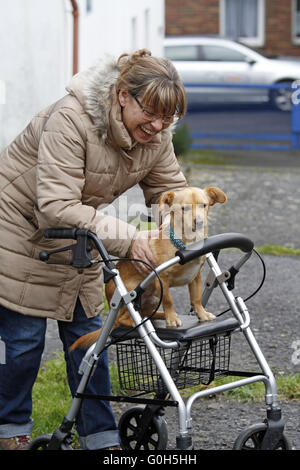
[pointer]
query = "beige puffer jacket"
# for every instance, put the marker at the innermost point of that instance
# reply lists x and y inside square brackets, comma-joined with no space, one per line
[72,158]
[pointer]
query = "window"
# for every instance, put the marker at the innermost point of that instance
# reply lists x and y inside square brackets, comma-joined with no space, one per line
[222,54]
[243,20]
[296,21]
[2,92]
[147,27]
[88,6]
[133,33]
[188,52]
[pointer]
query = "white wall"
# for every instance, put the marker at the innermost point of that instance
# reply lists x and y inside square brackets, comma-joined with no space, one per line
[116,26]
[36,48]
[33,63]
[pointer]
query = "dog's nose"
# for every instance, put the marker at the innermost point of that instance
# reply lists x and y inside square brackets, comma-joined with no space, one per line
[198,223]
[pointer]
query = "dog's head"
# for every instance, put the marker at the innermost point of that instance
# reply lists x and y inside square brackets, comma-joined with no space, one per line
[187,210]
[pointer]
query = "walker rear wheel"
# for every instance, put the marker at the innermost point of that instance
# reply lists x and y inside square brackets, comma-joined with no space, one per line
[251,439]
[133,437]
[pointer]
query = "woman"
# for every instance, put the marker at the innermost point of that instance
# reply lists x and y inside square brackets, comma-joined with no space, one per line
[108,133]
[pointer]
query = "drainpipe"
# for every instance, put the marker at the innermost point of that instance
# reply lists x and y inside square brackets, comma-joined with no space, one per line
[75,14]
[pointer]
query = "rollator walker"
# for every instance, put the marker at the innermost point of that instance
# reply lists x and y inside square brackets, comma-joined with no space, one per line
[155,362]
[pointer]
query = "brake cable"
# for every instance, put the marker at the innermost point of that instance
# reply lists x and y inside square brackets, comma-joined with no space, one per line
[258,288]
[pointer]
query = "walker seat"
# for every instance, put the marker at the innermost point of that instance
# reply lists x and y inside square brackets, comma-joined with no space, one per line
[190,329]
[204,353]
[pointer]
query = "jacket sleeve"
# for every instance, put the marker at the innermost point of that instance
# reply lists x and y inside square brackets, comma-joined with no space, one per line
[60,183]
[165,175]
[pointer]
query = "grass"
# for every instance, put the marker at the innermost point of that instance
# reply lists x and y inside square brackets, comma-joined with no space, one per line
[205,157]
[51,395]
[142,225]
[278,250]
[288,389]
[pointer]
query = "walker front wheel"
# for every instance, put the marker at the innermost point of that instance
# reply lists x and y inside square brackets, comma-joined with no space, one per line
[251,439]
[134,437]
[42,443]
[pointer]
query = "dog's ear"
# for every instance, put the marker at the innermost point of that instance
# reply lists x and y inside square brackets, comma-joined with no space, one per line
[167,198]
[215,195]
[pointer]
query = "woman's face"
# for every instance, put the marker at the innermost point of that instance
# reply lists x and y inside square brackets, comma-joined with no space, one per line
[141,128]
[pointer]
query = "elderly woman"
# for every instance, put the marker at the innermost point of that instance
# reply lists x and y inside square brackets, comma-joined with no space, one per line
[110,132]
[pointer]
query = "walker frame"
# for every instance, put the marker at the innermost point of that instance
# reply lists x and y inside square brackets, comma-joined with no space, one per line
[150,431]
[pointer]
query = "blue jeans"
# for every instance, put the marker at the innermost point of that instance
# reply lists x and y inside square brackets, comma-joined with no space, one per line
[24,338]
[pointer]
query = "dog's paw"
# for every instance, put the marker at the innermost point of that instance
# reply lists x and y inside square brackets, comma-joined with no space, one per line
[203,315]
[173,321]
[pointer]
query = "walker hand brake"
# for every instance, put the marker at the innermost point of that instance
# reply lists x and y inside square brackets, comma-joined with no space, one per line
[81,256]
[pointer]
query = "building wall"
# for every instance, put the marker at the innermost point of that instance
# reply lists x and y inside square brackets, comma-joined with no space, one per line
[187,17]
[115,26]
[278,29]
[36,38]
[33,60]
[192,17]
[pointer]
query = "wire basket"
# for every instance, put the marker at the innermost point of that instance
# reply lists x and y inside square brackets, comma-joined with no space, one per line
[194,363]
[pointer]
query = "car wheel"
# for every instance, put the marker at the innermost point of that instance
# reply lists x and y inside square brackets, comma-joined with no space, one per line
[281,98]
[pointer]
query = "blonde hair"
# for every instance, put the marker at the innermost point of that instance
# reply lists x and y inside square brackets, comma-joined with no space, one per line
[154,79]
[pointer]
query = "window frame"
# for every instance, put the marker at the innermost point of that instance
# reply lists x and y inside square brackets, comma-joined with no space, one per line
[295,39]
[89,6]
[257,41]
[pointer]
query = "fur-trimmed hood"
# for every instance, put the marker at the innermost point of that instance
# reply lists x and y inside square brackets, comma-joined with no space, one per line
[94,88]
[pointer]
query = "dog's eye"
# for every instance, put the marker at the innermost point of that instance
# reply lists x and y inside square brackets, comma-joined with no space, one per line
[204,206]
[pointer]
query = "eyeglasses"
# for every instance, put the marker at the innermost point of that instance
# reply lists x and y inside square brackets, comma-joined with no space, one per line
[153,116]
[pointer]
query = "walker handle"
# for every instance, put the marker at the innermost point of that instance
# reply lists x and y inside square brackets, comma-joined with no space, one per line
[60,233]
[81,256]
[214,243]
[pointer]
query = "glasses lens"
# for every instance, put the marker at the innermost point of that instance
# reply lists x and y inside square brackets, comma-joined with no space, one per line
[153,116]
[168,119]
[150,115]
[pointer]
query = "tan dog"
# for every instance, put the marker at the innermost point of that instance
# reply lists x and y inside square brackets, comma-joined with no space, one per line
[184,214]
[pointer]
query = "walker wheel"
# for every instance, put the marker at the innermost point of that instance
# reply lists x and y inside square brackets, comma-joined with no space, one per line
[42,442]
[251,439]
[155,436]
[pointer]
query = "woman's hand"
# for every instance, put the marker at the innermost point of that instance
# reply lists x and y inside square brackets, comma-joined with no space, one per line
[140,249]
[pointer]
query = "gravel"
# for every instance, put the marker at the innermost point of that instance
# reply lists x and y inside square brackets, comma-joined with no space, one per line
[217,422]
[263,203]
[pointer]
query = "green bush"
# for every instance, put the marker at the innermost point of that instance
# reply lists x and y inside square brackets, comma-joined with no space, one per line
[182,140]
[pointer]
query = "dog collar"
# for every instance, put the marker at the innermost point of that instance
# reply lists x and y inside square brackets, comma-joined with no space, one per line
[176,242]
